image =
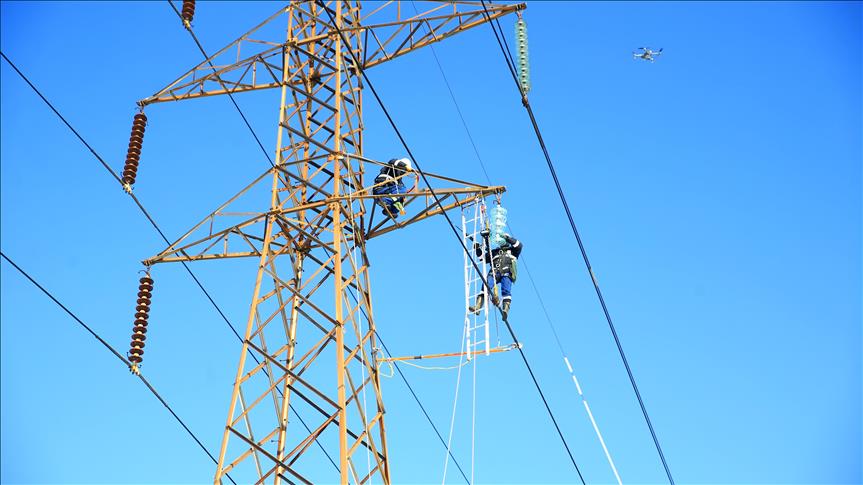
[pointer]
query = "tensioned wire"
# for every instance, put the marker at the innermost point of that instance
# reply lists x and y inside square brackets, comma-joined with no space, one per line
[395,366]
[155,226]
[510,63]
[257,139]
[453,228]
[116,354]
[527,270]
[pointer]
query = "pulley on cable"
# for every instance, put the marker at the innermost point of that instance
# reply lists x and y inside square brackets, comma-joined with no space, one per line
[523,62]
[139,330]
[133,155]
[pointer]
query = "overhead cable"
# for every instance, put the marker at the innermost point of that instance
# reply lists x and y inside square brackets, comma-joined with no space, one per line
[257,139]
[452,226]
[157,228]
[509,63]
[116,354]
[230,95]
[529,275]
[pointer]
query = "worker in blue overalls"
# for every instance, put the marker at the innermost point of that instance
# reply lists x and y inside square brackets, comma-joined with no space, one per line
[504,270]
[389,182]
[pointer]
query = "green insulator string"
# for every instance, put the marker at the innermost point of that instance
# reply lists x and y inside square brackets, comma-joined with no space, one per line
[523,61]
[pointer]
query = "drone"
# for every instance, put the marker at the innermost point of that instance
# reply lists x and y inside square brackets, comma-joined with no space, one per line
[647,54]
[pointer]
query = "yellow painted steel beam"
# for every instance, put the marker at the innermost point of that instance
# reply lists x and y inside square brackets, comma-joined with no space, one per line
[495,350]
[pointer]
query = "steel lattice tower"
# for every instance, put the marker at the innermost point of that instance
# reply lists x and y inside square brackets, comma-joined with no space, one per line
[309,343]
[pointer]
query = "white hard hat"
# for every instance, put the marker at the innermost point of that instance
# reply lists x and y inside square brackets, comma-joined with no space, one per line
[403,163]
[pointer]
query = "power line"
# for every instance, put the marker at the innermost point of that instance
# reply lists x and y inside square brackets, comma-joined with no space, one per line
[529,275]
[411,389]
[254,134]
[455,231]
[116,354]
[510,65]
[161,233]
[230,95]
[270,160]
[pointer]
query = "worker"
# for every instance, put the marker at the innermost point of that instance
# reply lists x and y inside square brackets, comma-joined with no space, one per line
[503,270]
[389,182]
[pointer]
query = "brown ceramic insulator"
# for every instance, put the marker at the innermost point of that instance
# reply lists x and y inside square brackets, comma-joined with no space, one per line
[133,155]
[130,174]
[140,119]
[188,10]
[142,314]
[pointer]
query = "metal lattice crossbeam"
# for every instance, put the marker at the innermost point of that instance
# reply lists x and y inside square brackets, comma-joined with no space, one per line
[310,327]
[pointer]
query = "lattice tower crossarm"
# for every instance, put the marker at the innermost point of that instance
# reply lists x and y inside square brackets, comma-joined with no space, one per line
[309,341]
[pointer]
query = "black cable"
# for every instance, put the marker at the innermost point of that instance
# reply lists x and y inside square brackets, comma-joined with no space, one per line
[420,404]
[230,95]
[455,103]
[252,131]
[488,180]
[116,353]
[526,103]
[410,388]
[161,233]
[455,231]
[108,168]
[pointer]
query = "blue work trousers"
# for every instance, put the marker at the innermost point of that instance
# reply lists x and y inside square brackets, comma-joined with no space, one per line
[387,202]
[505,285]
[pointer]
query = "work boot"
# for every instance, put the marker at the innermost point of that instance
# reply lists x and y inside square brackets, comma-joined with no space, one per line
[505,308]
[480,300]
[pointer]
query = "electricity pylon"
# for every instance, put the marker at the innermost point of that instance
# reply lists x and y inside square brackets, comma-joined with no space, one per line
[309,344]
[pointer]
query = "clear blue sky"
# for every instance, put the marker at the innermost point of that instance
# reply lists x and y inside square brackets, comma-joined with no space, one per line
[718,192]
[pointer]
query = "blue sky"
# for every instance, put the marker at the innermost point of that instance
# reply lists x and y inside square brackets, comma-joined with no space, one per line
[718,192]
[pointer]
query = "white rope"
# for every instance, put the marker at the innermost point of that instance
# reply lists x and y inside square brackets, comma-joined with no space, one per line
[473,424]
[454,406]
[465,343]
[352,255]
[592,421]
[392,368]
